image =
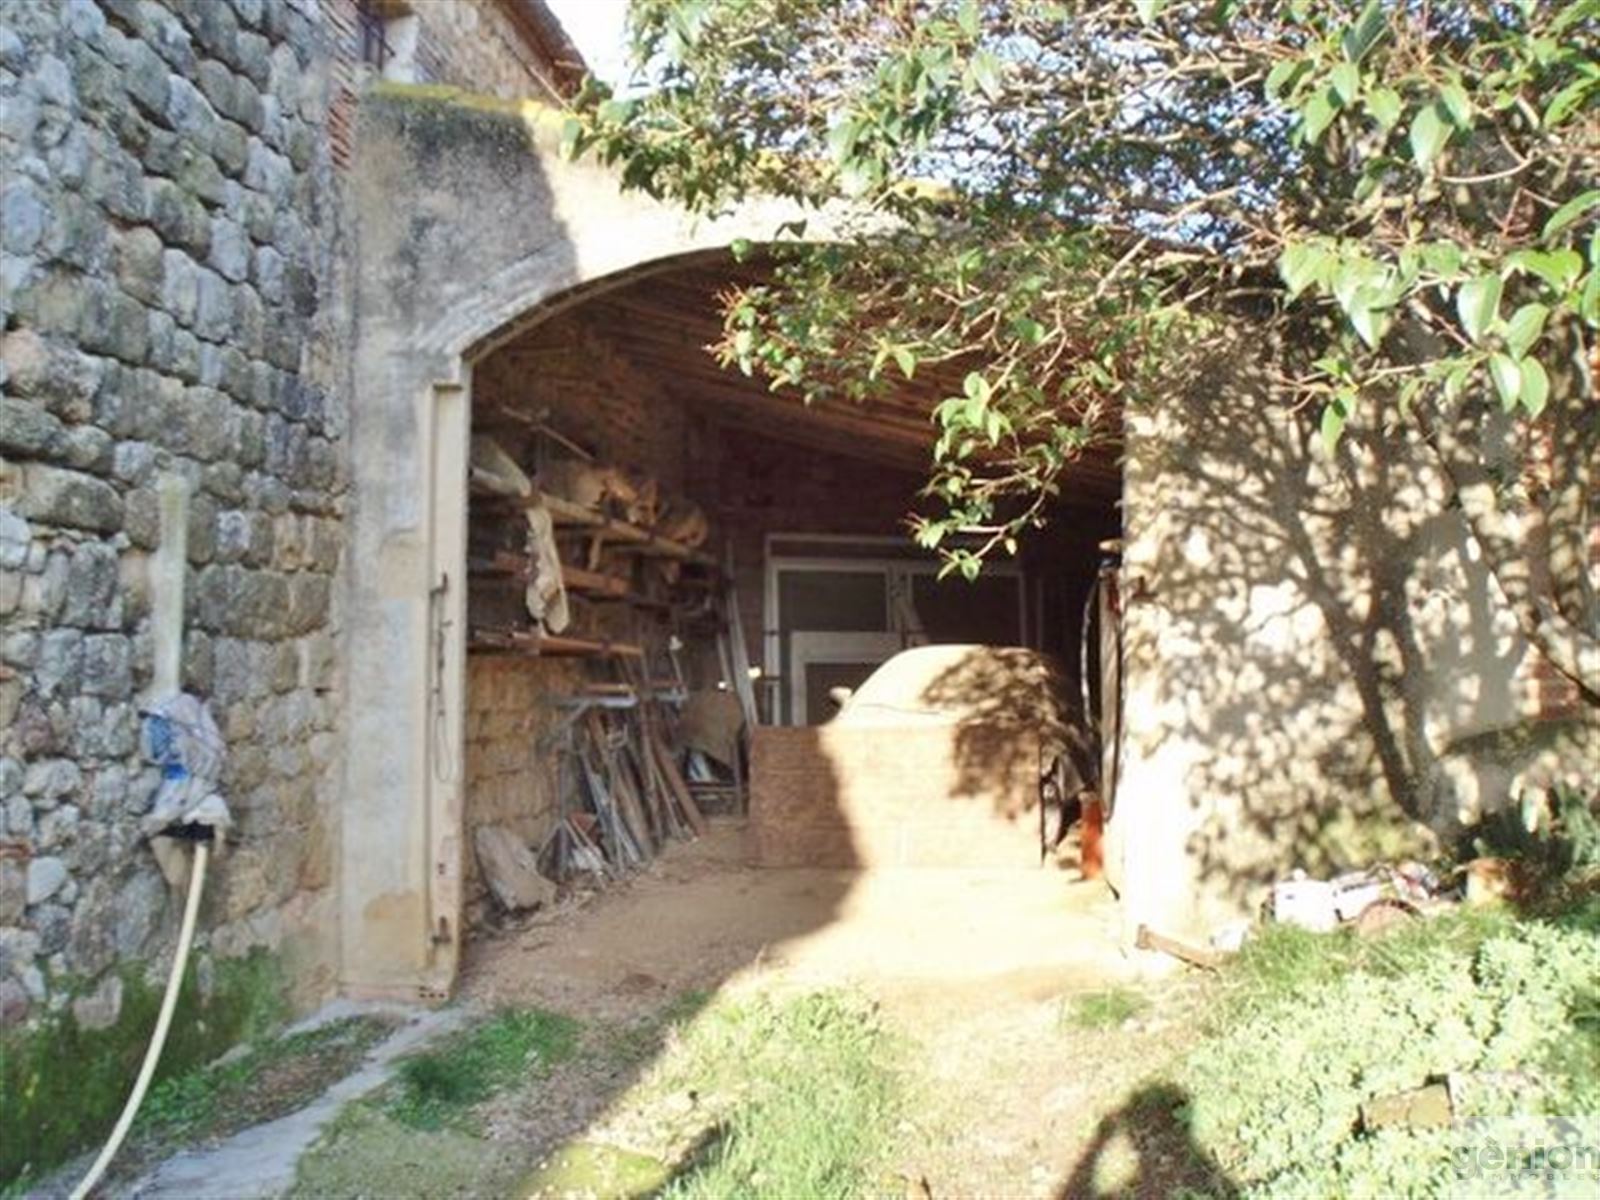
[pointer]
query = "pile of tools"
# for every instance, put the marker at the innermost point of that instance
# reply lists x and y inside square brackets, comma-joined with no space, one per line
[622,794]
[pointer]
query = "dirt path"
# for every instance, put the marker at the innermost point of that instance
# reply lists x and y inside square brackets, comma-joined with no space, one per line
[975,970]
[975,966]
[945,940]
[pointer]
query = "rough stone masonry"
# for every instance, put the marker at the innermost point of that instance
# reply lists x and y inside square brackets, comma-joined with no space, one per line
[167,250]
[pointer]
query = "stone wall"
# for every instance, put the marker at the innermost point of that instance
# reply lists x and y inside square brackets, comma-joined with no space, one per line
[168,242]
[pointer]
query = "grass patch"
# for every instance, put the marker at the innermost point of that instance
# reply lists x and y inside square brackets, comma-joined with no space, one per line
[1282,961]
[778,1097]
[1103,1010]
[435,1089]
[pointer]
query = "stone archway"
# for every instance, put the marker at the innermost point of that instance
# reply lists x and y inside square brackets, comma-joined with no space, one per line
[469,225]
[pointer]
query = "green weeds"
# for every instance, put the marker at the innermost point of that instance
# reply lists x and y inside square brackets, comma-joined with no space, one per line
[435,1089]
[1103,1010]
[1309,1028]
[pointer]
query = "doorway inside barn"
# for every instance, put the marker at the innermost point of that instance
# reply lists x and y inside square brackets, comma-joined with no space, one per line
[675,580]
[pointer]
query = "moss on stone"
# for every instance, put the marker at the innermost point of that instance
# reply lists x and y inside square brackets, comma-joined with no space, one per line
[530,110]
[62,1085]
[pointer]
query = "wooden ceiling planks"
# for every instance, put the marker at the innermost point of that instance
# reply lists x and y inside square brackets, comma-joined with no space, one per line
[664,322]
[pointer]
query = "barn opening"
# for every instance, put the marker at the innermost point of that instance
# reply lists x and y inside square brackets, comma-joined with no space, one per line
[675,577]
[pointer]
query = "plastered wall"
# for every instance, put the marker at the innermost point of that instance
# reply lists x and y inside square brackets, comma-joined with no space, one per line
[1320,670]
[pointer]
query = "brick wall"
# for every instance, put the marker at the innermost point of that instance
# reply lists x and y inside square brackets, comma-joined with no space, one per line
[910,796]
[758,485]
[567,369]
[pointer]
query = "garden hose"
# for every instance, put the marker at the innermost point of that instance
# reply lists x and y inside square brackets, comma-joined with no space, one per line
[169,1003]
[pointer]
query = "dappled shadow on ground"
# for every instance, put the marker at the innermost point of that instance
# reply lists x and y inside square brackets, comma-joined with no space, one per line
[1147,1149]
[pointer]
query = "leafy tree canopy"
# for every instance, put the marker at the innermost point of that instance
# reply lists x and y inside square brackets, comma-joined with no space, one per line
[1054,197]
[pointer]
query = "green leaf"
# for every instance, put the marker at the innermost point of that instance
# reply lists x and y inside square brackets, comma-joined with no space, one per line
[1429,133]
[1559,268]
[1030,331]
[1524,328]
[1442,258]
[1346,82]
[1370,319]
[1478,304]
[1366,31]
[1567,101]
[1283,75]
[1456,378]
[1570,212]
[1384,105]
[1535,386]
[986,73]
[571,131]
[905,360]
[1333,423]
[741,248]
[1457,104]
[976,388]
[842,138]
[1317,113]
[1507,376]
[1303,263]
[967,18]
[1149,10]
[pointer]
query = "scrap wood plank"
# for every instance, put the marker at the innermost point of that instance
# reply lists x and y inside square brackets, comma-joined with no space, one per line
[1199,956]
[680,789]
[738,652]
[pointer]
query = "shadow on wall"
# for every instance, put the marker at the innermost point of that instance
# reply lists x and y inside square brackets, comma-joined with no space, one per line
[1313,636]
[1000,696]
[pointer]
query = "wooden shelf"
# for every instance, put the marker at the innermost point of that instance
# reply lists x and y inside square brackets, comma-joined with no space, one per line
[546,645]
[593,583]
[502,566]
[567,515]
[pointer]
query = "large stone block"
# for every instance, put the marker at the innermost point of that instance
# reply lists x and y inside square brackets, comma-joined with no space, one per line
[58,497]
[179,218]
[107,667]
[28,429]
[52,373]
[139,258]
[92,600]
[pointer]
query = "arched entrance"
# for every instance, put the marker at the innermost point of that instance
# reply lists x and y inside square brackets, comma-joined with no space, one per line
[475,237]
[470,225]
